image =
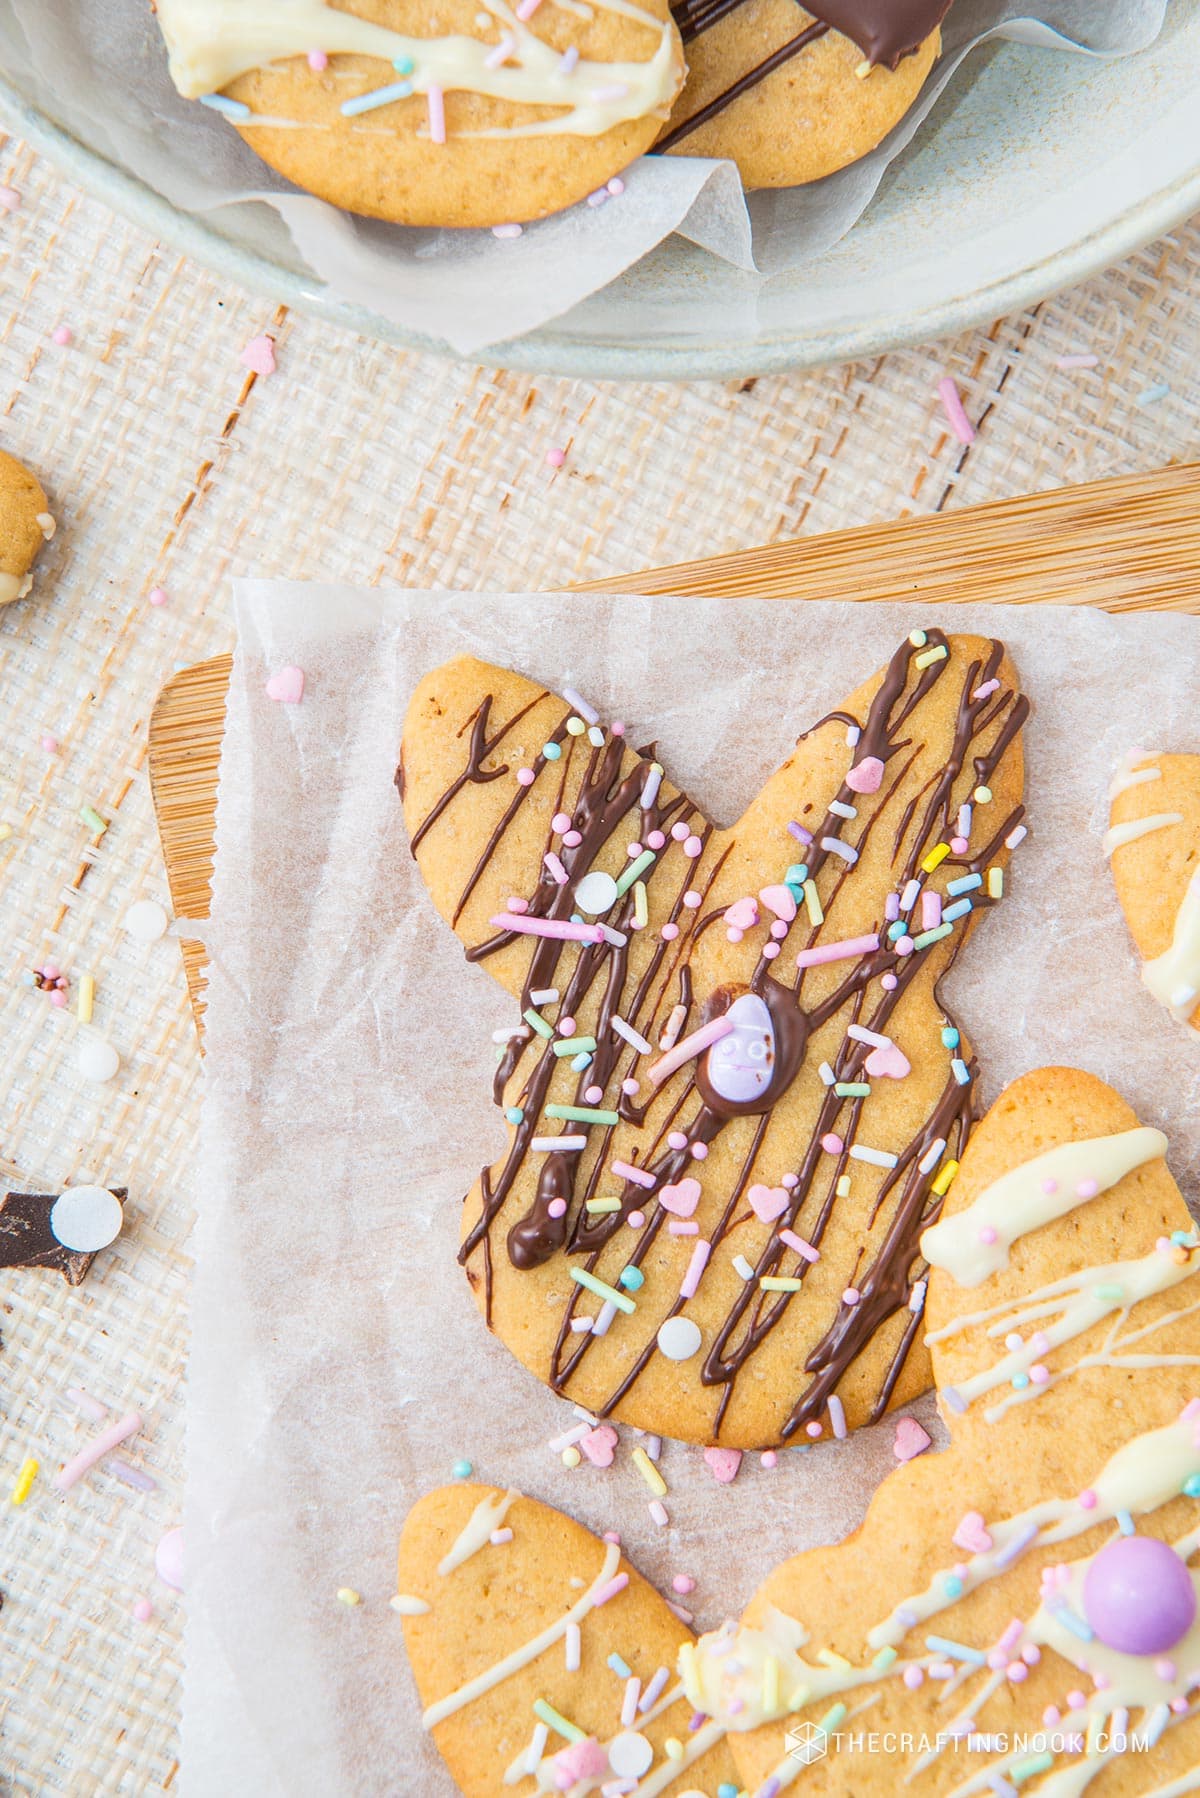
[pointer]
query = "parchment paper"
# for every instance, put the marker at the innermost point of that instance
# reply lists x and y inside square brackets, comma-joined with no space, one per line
[339,1366]
[100,66]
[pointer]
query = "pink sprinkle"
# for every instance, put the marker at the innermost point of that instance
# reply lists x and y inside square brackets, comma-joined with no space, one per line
[499,55]
[1017,1671]
[617,1584]
[130,1476]
[889,983]
[50,745]
[913,1677]
[692,899]
[832,1145]
[637,1176]
[561,929]
[683,1583]
[676,1139]
[58,1000]
[692,846]
[691,1046]
[827,952]
[158,596]
[801,1247]
[615,186]
[837,1416]
[959,845]
[699,1151]
[1087,1189]
[557,1208]
[568,59]
[1069,362]
[790,1181]
[986,690]
[517,905]
[1165,1670]
[656,840]
[526,9]
[555,458]
[1031,1654]
[95,1451]
[911,1439]
[904,946]
[83,1401]
[1087,1500]
[680,832]
[555,868]
[629,1088]
[566,1026]
[679,1227]
[769,1458]
[1039,1342]
[931,910]
[636,1219]
[696,1266]
[632,851]
[669,932]
[10,200]
[1052,1716]
[525,777]
[572,839]
[259,356]
[499,1537]
[560,822]
[1039,1374]
[599,198]
[960,424]
[614,90]
[143,1610]
[988,1234]
[812,1429]
[593,1094]
[658,1512]
[435,101]
[507,231]
[318,62]
[1049,1184]
[63,335]
[1076,1700]
[851,1296]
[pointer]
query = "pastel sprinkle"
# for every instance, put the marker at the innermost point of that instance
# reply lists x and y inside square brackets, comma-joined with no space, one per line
[555,1719]
[829,952]
[582,1277]
[23,1484]
[955,412]
[582,1114]
[649,1472]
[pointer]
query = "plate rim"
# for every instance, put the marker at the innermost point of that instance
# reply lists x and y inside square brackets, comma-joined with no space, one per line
[549,351]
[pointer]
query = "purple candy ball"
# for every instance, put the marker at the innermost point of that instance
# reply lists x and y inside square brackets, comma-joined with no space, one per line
[1138,1596]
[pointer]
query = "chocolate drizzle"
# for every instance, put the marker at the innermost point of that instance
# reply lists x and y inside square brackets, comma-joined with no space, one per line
[609,791]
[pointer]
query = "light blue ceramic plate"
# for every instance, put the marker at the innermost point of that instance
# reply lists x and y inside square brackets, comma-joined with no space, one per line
[1036,170]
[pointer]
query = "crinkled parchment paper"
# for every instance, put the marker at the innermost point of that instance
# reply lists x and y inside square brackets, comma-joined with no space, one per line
[339,1366]
[100,67]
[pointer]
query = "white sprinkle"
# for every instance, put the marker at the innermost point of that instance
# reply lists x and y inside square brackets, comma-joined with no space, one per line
[837,1416]
[567,61]
[658,1512]
[964,820]
[543,995]
[408,1607]
[537,1748]
[677,1610]
[653,783]
[835,846]
[617,938]
[510,1035]
[675,1023]
[499,1537]
[604,1321]
[916,1298]
[596,737]
[571,1647]
[853,733]
[633,1037]
[587,712]
[1016,836]
[862,1035]
[827,1074]
[842,809]
[910,895]
[876,1157]
[932,1155]
[743,1267]
[653,1447]
[550,1145]
[569,1438]
[582,1325]
[587,1417]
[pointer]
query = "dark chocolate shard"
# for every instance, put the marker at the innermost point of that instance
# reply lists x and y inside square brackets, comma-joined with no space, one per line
[885,30]
[26,1239]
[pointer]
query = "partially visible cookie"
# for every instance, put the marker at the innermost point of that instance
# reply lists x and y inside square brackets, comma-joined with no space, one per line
[435,112]
[789,95]
[1018,1613]
[1154,844]
[543,1660]
[25,525]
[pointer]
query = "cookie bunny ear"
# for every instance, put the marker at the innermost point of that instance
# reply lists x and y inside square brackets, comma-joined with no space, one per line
[544,1662]
[1038,1567]
[1154,843]
[732,1094]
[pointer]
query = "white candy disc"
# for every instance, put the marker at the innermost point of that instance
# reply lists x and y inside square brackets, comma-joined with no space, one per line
[85,1218]
[679,1338]
[630,1754]
[146,921]
[596,892]
[98,1060]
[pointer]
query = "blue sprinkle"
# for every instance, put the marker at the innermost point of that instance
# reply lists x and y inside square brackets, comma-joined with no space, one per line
[1191,1486]
[1124,1523]
[897,930]
[950,1035]
[1184,1239]
[1150,396]
[462,1470]
[965,884]
[725,1790]
[796,875]
[379,96]
[959,909]
[956,1651]
[229,109]
[952,1586]
[631,1278]
[624,1671]
[580,1062]
[515,1114]
[961,1071]
[1020,1381]
[403,65]
[552,751]
[1071,1620]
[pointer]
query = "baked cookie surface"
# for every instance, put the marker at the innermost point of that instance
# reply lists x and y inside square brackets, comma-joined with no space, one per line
[732,1096]
[25,525]
[1034,1577]
[1153,842]
[465,112]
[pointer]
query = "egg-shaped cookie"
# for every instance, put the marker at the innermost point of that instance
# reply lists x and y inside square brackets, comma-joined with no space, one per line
[465,112]
[25,525]
[785,95]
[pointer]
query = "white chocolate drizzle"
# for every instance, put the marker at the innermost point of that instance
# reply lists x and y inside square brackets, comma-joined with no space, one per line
[14,586]
[975,1242]
[1134,828]
[1174,976]
[1129,773]
[487,1516]
[213,42]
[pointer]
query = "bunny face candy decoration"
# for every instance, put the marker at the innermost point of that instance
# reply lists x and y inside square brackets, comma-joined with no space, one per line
[732,1094]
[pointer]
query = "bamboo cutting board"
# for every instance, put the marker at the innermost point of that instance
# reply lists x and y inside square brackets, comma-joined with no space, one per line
[1125,545]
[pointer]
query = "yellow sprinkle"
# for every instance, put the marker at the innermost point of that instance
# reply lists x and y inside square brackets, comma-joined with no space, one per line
[945,1177]
[799,1698]
[936,857]
[571,1457]
[813,901]
[982,795]
[347,1595]
[602,1204]
[649,1472]
[687,1664]
[24,1482]
[641,910]
[673,1748]
[928,657]
[862,71]
[995,883]
[6,831]
[770,1684]
[843,1186]
[779,1283]
[87,992]
[828,1658]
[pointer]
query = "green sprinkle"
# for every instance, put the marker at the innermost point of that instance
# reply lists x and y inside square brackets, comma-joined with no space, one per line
[635,870]
[632,1278]
[932,936]
[884,1659]
[779,1283]
[621,1668]
[853,1089]
[575,1045]
[462,1470]
[575,727]
[581,1277]
[955,1651]
[515,1115]
[581,1114]
[928,657]
[548,1715]
[835,1715]
[92,819]
[403,65]
[1110,1294]
[537,1022]
[1037,1763]
[599,1205]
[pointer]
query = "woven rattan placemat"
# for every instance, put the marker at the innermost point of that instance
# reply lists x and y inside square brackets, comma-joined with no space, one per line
[169,465]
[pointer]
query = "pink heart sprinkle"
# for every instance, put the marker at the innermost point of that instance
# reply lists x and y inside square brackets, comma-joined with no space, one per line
[768,1202]
[287,687]
[866,776]
[598,1445]
[742,914]
[259,356]
[723,1464]
[911,1439]
[682,1198]
[972,1534]
[889,1063]
[780,900]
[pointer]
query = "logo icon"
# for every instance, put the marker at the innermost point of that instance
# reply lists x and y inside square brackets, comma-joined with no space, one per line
[807,1743]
